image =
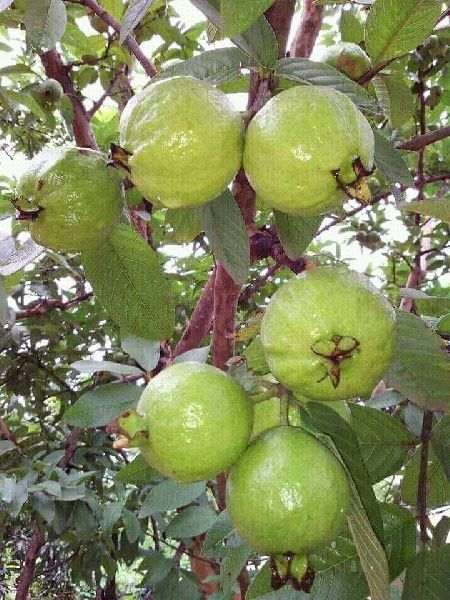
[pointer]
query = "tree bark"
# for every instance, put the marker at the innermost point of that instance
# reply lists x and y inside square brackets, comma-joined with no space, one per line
[308,30]
[26,577]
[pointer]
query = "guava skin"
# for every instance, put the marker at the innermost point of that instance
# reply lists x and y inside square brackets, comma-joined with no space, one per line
[347,58]
[185,141]
[76,196]
[199,421]
[296,143]
[314,307]
[287,493]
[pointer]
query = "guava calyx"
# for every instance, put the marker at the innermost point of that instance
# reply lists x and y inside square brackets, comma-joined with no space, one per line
[26,214]
[336,350]
[358,189]
[118,158]
[291,568]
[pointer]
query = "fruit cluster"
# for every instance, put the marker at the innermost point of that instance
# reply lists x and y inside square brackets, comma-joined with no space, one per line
[181,144]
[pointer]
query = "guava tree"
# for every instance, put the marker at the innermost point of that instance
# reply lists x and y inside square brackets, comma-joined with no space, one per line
[148,236]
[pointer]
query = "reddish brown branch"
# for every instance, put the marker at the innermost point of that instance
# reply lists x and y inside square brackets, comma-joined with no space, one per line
[419,142]
[371,73]
[279,16]
[5,433]
[308,29]
[129,41]
[226,295]
[98,103]
[56,69]
[199,324]
[47,305]
[70,447]
[27,574]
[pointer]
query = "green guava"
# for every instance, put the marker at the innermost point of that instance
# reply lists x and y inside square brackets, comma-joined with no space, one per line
[48,93]
[328,334]
[199,421]
[69,198]
[287,493]
[307,150]
[348,58]
[182,141]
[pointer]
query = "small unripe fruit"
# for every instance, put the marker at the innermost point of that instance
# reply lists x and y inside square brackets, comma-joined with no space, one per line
[348,58]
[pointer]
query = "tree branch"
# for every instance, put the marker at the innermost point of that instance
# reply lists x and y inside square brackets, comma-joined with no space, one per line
[47,305]
[129,41]
[199,324]
[308,29]
[27,574]
[56,69]
[5,433]
[419,142]
[98,103]
[280,16]
[71,445]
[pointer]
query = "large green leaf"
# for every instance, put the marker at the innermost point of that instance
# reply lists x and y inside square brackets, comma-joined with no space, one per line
[220,529]
[102,405]
[191,521]
[394,27]
[436,208]
[45,22]
[135,12]
[127,278]
[327,420]
[390,162]
[215,66]
[421,368]
[395,97]
[185,224]
[227,235]
[237,16]
[382,439]
[258,41]
[351,26]
[137,472]
[440,440]
[169,495]
[296,232]
[437,484]
[428,576]
[232,564]
[304,71]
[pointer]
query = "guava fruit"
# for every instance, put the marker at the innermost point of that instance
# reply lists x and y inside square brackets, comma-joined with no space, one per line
[69,198]
[48,93]
[287,493]
[199,421]
[328,334]
[307,150]
[181,142]
[348,58]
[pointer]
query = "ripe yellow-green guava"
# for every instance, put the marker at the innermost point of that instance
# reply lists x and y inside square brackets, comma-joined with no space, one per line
[328,334]
[307,150]
[182,140]
[199,421]
[287,493]
[69,198]
[348,58]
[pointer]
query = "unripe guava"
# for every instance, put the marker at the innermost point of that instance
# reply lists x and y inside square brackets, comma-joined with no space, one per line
[348,58]
[328,334]
[199,421]
[307,150]
[184,141]
[69,198]
[48,93]
[287,493]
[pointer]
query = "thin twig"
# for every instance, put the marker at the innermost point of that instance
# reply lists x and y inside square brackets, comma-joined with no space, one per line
[98,103]
[47,305]
[419,142]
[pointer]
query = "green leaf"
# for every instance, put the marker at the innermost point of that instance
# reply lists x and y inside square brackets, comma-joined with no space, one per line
[107,366]
[215,66]
[370,551]
[328,421]
[195,355]
[169,495]
[421,368]
[440,440]
[190,522]
[304,71]
[157,565]
[350,26]
[131,524]
[25,100]
[111,514]
[390,162]
[428,576]
[19,69]
[137,472]
[400,536]
[45,22]
[382,439]
[218,532]
[44,505]
[135,12]
[438,486]
[227,235]
[419,295]
[255,357]
[394,27]
[127,278]
[258,41]
[237,16]
[395,97]
[102,405]
[435,208]
[14,262]
[232,564]
[296,232]
[6,446]
[144,352]
[185,224]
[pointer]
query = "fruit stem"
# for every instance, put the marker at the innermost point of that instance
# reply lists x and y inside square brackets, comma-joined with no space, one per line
[284,409]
